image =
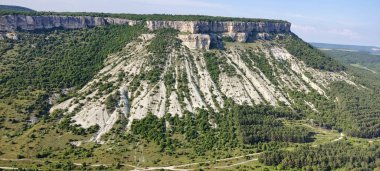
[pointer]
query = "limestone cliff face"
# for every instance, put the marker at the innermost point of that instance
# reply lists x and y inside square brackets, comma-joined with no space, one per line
[199,34]
[238,31]
[196,41]
[221,26]
[9,23]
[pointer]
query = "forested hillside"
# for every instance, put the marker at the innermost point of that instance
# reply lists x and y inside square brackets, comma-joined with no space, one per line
[123,97]
[362,60]
[41,63]
[331,156]
[348,48]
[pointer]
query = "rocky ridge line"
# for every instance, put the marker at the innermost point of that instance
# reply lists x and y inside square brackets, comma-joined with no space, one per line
[195,34]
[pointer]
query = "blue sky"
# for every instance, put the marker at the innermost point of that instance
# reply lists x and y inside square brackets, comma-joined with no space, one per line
[331,21]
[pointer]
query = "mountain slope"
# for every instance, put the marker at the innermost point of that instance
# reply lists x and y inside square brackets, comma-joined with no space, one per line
[190,79]
[142,93]
[357,59]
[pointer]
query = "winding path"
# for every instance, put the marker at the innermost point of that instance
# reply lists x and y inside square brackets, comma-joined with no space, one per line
[176,167]
[173,167]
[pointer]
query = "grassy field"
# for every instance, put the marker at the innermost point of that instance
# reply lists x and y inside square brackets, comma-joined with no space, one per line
[21,152]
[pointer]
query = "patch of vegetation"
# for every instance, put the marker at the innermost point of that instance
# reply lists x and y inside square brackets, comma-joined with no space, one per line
[112,101]
[169,79]
[228,39]
[258,127]
[362,58]
[331,156]
[183,88]
[40,63]
[195,128]
[310,55]
[260,61]
[216,65]
[150,127]
[67,124]
[163,43]
[355,113]
[212,66]
[262,124]
[358,112]
[61,58]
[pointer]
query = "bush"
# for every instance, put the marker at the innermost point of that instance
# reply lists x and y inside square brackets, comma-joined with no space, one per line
[112,101]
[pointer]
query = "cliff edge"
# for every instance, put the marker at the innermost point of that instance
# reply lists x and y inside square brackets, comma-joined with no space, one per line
[198,34]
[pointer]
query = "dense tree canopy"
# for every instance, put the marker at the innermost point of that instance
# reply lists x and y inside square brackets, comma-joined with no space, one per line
[331,156]
[59,59]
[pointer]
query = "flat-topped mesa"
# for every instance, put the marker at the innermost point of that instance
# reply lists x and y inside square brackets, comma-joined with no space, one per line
[198,34]
[10,23]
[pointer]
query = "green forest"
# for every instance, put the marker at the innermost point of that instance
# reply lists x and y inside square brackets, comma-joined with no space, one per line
[357,59]
[43,62]
[60,58]
[311,56]
[330,156]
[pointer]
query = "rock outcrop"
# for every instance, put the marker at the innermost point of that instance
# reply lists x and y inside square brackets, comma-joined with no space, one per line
[195,41]
[9,35]
[221,26]
[10,23]
[236,30]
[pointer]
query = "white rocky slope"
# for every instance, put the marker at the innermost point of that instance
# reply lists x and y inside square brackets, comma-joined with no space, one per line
[247,84]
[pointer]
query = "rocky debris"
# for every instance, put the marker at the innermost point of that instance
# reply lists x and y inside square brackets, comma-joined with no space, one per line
[8,35]
[233,88]
[12,35]
[319,80]
[146,37]
[238,37]
[263,36]
[196,97]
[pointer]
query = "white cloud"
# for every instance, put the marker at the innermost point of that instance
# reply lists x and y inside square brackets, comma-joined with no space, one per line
[183,3]
[341,33]
[120,6]
[303,28]
[345,33]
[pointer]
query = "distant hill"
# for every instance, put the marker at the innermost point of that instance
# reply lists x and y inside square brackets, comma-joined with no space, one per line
[14,8]
[360,59]
[369,49]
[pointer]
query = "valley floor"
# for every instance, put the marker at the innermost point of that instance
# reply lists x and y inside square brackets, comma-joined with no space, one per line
[138,161]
